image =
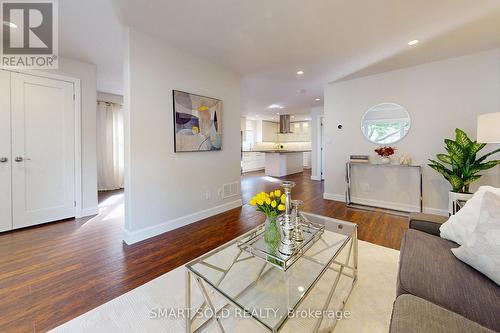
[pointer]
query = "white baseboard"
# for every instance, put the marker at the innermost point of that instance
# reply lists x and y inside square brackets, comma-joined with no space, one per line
[90,211]
[131,237]
[387,204]
[316,178]
[436,211]
[334,197]
[253,169]
[384,204]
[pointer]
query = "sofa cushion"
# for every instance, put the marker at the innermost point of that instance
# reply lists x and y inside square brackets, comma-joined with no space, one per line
[460,225]
[482,249]
[430,271]
[415,315]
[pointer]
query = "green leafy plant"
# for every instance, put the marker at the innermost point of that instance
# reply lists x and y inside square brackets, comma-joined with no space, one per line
[460,166]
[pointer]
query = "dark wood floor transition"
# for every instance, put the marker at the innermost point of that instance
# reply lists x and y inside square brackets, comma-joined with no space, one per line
[53,273]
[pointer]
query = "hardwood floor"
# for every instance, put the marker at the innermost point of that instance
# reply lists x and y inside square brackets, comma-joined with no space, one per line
[52,273]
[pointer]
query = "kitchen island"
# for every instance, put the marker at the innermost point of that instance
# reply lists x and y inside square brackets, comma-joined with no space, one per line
[279,163]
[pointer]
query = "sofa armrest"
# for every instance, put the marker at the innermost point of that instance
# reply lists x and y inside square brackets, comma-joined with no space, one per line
[427,223]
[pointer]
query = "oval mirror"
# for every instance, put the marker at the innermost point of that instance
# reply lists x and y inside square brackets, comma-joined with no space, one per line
[385,123]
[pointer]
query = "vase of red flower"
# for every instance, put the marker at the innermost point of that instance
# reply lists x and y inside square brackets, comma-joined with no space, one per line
[385,154]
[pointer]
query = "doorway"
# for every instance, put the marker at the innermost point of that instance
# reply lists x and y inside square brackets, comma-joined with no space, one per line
[110,143]
[321,148]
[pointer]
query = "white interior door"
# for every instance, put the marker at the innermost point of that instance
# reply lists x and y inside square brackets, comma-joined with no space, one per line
[5,154]
[43,150]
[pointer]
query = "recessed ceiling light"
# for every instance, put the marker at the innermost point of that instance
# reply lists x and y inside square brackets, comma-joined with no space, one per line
[413,42]
[275,106]
[300,72]
[10,24]
[318,99]
[278,113]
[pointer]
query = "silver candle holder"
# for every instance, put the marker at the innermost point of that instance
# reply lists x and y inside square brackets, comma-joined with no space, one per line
[287,245]
[297,234]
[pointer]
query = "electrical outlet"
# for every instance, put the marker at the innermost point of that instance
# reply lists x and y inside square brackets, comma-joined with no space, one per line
[208,195]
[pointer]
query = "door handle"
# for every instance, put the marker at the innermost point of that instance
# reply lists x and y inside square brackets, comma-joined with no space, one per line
[3,159]
[20,159]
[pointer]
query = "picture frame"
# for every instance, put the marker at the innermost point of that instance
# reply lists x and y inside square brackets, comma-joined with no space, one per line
[197,122]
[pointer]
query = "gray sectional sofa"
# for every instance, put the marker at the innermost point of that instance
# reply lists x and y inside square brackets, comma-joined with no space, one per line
[437,293]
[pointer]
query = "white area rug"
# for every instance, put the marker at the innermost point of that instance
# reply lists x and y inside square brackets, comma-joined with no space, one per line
[370,303]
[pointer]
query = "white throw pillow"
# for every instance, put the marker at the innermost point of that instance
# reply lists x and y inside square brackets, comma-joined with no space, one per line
[482,248]
[462,224]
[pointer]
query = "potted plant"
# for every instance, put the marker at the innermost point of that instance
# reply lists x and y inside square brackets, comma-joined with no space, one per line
[385,154]
[461,166]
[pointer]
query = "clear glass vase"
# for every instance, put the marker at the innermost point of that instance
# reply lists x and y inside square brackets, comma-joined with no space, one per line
[272,232]
[272,238]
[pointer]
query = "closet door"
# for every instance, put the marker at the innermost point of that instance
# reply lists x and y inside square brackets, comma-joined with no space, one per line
[5,154]
[43,150]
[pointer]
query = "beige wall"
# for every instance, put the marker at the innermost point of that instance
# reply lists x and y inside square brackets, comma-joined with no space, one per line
[165,190]
[439,96]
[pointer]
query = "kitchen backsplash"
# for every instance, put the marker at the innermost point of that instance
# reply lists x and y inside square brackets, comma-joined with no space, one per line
[286,145]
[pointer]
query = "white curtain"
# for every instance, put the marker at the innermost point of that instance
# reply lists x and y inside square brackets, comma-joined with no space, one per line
[110,151]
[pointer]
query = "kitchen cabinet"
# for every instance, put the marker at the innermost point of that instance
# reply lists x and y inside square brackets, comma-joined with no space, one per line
[270,131]
[279,164]
[305,133]
[253,161]
[307,160]
[300,132]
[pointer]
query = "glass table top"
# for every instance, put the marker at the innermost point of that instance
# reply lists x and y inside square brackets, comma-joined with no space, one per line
[254,285]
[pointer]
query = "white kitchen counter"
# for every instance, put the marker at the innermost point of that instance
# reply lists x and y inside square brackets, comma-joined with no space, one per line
[279,164]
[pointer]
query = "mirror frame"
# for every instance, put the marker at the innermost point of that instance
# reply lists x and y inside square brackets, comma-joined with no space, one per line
[386,144]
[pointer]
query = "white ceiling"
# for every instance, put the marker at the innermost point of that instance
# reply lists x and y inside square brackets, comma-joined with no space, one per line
[268,41]
[90,31]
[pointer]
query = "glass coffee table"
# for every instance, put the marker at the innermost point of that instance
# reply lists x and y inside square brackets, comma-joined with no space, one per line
[230,278]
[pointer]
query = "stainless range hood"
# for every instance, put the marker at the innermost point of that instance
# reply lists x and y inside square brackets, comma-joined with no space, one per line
[285,124]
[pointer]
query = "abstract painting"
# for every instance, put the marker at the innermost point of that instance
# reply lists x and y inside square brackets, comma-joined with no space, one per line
[197,122]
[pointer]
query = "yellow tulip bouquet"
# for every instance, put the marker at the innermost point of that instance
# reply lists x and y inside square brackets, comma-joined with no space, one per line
[272,204]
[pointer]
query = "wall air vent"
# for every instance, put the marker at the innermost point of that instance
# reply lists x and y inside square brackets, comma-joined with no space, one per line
[230,190]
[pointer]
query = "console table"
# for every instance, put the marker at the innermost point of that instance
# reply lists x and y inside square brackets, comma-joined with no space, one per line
[348,179]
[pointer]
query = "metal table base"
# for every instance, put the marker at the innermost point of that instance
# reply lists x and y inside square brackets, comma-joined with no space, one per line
[341,268]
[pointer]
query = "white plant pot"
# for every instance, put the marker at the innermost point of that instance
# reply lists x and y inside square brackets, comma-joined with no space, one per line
[385,160]
[454,196]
